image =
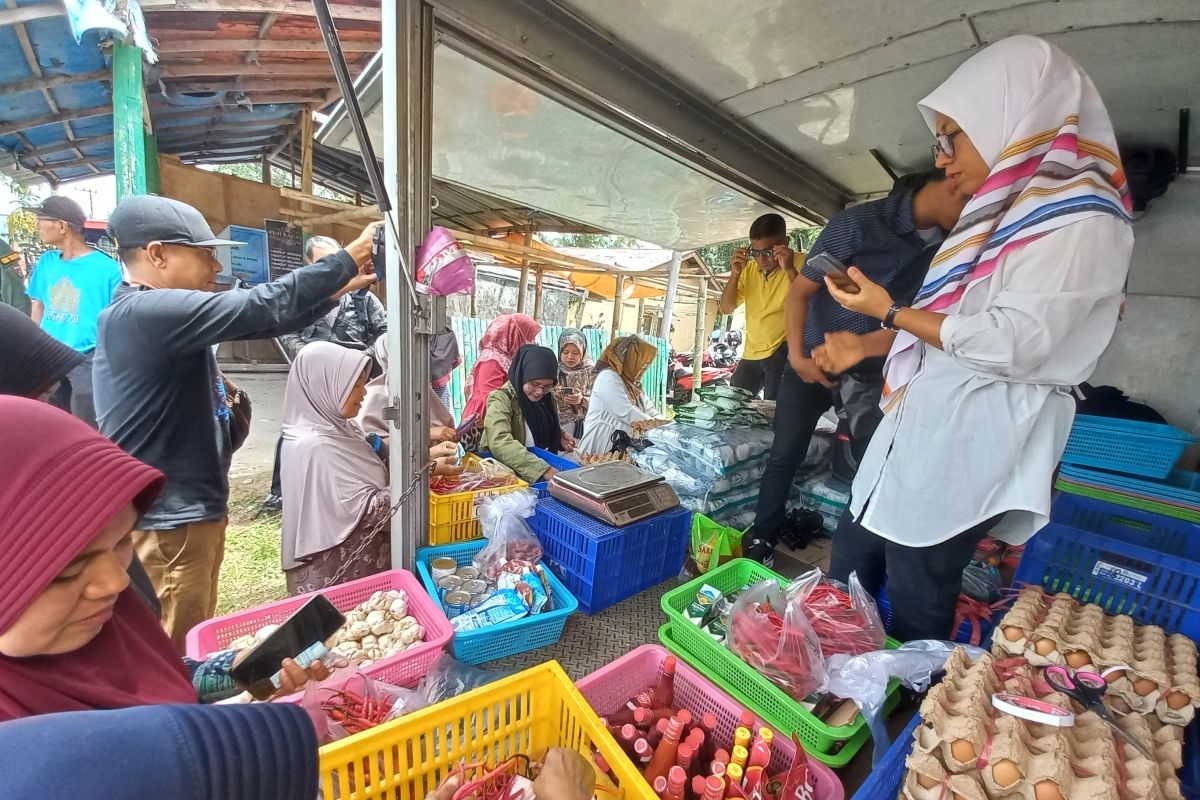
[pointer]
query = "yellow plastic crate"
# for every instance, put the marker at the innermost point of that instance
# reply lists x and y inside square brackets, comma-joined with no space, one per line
[526,713]
[452,516]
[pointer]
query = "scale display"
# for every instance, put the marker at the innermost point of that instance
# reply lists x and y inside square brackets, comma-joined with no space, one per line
[614,492]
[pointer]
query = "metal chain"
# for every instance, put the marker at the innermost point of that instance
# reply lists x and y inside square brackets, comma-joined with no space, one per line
[369,539]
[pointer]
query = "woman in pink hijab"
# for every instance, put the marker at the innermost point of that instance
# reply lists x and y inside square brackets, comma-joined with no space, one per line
[74,636]
[497,348]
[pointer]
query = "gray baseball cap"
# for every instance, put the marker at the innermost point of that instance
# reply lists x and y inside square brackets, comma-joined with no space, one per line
[137,221]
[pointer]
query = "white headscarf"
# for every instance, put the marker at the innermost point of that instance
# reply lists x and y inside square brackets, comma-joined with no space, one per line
[371,417]
[328,471]
[1037,121]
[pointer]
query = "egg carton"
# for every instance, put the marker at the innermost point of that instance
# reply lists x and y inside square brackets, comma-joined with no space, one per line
[1156,673]
[964,749]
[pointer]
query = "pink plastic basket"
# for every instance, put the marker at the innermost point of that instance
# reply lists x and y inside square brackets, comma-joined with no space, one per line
[609,688]
[403,669]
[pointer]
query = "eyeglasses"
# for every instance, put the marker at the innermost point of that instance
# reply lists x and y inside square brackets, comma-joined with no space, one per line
[945,144]
[212,251]
[539,388]
[768,252]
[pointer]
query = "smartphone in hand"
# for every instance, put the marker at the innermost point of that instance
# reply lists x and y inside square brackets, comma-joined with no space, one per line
[835,270]
[306,630]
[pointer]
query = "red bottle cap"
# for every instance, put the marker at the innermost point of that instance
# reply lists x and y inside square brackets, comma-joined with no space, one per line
[722,756]
[660,785]
[642,747]
[669,665]
[747,720]
[708,721]
[676,778]
[663,724]
[628,733]
[685,753]
[684,716]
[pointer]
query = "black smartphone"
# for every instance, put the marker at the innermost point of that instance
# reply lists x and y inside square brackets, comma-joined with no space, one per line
[311,625]
[830,266]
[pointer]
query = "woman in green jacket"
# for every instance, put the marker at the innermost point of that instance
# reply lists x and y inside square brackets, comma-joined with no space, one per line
[523,413]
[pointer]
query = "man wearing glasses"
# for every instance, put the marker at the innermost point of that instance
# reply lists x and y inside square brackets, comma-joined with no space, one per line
[159,395]
[71,285]
[759,277]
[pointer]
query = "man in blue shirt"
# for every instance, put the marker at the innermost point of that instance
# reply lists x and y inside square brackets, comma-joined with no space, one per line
[892,240]
[69,288]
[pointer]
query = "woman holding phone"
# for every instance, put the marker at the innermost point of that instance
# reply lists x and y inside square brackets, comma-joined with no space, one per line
[74,635]
[1018,305]
[575,375]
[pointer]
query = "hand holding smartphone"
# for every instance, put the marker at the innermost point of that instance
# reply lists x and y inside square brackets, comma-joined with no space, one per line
[301,637]
[832,268]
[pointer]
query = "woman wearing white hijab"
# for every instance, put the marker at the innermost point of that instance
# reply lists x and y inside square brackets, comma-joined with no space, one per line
[1018,305]
[335,485]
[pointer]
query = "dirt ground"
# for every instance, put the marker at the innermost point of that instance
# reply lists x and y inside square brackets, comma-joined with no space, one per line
[251,573]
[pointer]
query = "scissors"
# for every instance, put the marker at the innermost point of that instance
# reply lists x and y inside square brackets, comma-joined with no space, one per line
[1087,689]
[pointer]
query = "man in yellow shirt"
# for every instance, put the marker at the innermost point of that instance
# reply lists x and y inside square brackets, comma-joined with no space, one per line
[760,277]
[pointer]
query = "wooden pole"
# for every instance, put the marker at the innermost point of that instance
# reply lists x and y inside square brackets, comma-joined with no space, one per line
[640,312]
[266,171]
[129,133]
[701,325]
[306,152]
[664,329]
[523,284]
[579,310]
[616,312]
[537,294]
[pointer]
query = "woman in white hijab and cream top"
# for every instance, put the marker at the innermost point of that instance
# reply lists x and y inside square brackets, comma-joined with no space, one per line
[1018,305]
[335,484]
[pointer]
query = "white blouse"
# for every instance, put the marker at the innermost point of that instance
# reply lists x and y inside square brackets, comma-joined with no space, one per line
[610,410]
[983,423]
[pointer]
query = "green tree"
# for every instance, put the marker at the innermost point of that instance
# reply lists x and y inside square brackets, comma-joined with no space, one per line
[590,240]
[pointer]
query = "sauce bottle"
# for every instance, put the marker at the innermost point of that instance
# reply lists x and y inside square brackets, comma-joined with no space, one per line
[666,752]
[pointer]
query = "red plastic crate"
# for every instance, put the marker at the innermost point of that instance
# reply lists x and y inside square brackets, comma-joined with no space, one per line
[608,689]
[402,669]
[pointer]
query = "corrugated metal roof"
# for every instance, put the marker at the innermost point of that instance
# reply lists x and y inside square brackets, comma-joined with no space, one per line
[229,86]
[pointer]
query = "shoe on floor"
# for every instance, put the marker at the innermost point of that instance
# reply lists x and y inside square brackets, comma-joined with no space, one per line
[761,551]
[272,503]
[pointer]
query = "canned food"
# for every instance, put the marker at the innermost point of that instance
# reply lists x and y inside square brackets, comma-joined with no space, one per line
[442,567]
[468,573]
[450,583]
[475,587]
[478,599]
[457,603]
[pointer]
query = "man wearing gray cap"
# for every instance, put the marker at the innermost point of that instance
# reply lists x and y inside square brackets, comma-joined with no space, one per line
[158,393]
[70,286]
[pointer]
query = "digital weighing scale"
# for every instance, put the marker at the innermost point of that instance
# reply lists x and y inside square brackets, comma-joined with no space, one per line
[614,492]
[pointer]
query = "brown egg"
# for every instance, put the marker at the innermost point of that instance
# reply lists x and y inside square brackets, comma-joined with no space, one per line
[1044,647]
[926,782]
[1013,633]
[1114,676]
[1177,700]
[1077,659]
[1144,686]
[1047,790]
[1005,772]
[963,751]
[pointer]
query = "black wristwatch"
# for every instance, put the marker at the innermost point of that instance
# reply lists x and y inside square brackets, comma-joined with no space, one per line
[889,322]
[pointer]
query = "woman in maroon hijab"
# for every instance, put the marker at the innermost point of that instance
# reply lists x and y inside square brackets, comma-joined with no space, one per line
[73,634]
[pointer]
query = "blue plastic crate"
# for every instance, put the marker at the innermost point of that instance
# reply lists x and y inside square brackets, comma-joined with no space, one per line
[884,781]
[603,565]
[1128,446]
[508,638]
[962,635]
[1155,531]
[1152,587]
[1181,487]
[556,461]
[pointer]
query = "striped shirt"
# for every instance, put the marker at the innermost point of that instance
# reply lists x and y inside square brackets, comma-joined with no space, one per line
[881,239]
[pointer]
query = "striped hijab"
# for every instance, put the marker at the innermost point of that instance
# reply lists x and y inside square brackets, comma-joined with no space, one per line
[1036,119]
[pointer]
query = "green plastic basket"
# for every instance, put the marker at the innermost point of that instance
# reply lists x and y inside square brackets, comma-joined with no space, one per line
[1129,501]
[832,746]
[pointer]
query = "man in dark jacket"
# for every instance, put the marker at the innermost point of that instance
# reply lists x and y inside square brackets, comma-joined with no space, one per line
[159,395]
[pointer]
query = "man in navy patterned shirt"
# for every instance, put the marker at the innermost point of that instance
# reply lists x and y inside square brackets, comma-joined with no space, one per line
[839,354]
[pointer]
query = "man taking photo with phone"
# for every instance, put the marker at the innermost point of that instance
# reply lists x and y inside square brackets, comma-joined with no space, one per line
[759,277]
[159,394]
[837,355]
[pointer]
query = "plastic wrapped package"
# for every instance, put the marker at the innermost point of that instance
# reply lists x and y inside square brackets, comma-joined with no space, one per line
[448,679]
[720,452]
[509,536]
[864,678]
[712,544]
[730,392]
[844,617]
[773,636]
